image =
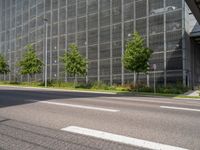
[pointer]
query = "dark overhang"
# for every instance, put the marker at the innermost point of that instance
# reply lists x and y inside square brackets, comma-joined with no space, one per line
[194,6]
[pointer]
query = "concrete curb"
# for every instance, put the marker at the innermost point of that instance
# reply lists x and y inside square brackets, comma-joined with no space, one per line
[196,99]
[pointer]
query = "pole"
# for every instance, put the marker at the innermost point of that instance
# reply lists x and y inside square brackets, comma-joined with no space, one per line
[154,76]
[46,25]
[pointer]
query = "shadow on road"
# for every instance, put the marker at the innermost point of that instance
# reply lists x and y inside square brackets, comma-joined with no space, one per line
[19,97]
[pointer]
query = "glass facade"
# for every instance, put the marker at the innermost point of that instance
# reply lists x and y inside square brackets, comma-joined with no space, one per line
[100,28]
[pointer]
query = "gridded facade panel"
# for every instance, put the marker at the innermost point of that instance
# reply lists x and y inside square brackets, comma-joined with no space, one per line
[156,42]
[105,68]
[174,40]
[105,51]
[141,26]
[92,52]
[128,11]
[81,8]
[104,34]
[100,28]
[156,24]
[92,71]
[141,6]
[105,18]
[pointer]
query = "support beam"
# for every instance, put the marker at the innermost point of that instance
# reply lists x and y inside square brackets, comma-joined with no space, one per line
[194,6]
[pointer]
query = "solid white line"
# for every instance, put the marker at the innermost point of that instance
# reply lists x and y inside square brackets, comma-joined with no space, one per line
[180,108]
[79,106]
[120,139]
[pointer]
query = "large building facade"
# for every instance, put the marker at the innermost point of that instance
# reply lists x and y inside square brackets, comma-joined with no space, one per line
[100,28]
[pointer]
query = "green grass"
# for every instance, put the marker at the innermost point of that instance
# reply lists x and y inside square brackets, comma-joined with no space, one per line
[189,97]
[155,94]
[169,91]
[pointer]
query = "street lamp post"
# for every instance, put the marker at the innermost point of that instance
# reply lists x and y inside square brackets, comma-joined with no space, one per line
[46,26]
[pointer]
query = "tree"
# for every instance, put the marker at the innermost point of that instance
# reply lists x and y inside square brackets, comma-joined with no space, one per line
[136,56]
[4,67]
[30,63]
[74,63]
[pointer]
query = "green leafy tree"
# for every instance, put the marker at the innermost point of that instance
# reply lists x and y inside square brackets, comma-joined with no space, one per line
[136,56]
[75,64]
[30,63]
[4,67]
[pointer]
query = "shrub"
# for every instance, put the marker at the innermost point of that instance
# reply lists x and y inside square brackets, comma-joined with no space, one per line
[99,85]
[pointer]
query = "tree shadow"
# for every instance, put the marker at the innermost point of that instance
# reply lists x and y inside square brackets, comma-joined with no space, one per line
[13,97]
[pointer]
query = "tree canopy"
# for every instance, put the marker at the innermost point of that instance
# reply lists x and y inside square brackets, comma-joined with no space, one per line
[136,55]
[30,63]
[4,67]
[75,64]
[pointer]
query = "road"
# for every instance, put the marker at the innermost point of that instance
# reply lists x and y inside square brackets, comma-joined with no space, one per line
[47,119]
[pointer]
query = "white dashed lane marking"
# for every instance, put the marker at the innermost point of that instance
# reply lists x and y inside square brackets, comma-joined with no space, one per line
[120,139]
[180,108]
[79,106]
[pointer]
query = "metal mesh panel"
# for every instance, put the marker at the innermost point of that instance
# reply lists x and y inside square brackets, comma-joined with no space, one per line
[71,26]
[104,68]
[156,24]
[81,24]
[129,11]
[141,8]
[117,46]
[81,8]
[105,18]
[117,30]
[128,29]
[92,52]
[174,40]
[92,71]
[92,21]
[105,34]
[141,26]
[174,21]
[105,51]
[92,6]
[81,39]
[97,30]
[158,59]
[92,37]
[156,42]
[71,11]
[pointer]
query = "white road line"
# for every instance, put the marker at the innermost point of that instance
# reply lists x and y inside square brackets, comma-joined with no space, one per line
[180,108]
[120,138]
[137,99]
[78,106]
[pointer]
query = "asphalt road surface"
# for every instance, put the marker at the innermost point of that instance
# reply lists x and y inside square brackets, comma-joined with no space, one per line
[34,119]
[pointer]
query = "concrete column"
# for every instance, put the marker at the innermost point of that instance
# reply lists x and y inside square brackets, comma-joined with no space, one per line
[183,43]
[111,47]
[147,36]
[134,74]
[98,66]
[51,23]
[86,44]
[122,42]
[66,44]
[165,48]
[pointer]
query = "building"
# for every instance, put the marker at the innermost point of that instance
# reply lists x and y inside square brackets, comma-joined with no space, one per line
[100,28]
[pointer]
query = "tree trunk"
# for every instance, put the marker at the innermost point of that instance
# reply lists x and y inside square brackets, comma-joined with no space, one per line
[75,80]
[134,79]
[137,81]
[29,78]
[137,78]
